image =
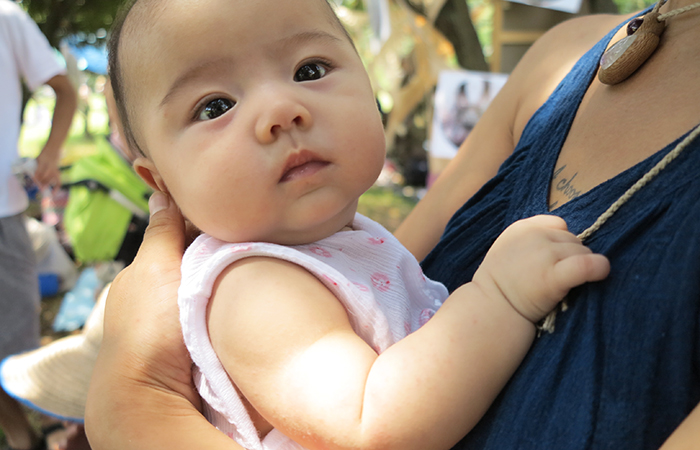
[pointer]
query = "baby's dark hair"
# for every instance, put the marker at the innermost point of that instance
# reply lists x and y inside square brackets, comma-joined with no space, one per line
[115,76]
[115,70]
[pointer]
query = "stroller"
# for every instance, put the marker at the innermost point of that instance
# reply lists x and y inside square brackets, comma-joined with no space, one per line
[107,210]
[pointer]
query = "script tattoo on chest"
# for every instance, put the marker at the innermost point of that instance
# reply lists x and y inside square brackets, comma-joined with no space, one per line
[563,185]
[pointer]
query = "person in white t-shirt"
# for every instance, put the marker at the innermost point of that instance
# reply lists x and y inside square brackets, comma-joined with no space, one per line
[25,56]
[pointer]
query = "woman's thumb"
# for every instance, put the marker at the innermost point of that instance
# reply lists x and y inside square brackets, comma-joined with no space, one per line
[166,229]
[158,202]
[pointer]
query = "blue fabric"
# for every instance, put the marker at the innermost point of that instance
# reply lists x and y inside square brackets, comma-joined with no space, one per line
[621,371]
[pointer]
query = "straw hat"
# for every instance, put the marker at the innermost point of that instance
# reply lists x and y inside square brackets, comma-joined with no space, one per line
[54,379]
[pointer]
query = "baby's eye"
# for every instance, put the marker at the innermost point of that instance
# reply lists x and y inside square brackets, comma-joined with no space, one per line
[215,108]
[309,72]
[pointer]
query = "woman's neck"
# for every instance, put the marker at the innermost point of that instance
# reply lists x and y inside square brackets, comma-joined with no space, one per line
[675,4]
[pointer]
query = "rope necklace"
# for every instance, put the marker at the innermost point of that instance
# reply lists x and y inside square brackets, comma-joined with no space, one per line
[625,56]
[547,324]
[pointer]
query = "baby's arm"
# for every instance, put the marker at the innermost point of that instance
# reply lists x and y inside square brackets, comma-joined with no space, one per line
[287,343]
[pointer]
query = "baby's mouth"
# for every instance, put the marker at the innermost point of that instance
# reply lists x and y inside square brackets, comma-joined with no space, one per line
[302,164]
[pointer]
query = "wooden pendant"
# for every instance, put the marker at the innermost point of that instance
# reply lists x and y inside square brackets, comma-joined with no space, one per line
[625,56]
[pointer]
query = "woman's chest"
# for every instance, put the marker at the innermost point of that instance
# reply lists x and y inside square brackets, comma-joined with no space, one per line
[609,137]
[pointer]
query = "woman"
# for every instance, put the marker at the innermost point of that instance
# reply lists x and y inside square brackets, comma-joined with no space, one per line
[620,368]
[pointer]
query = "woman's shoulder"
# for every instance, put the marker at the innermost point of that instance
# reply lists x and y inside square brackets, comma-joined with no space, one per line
[574,37]
[551,57]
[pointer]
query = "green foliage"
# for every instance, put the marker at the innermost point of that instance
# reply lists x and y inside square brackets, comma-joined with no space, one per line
[628,6]
[354,4]
[386,206]
[60,18]
[482,15]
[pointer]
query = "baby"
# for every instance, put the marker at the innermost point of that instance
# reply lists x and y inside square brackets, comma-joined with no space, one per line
[311,326]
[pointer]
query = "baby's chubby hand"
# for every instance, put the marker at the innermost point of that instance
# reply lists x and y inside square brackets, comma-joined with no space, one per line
[535,262]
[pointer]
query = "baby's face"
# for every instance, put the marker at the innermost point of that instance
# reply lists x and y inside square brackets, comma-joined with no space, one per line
[257,115]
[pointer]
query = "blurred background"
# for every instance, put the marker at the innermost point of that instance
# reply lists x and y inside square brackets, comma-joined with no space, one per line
[434,66]
[405,45]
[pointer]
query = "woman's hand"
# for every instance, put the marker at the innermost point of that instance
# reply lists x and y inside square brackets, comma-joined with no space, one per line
[141,394]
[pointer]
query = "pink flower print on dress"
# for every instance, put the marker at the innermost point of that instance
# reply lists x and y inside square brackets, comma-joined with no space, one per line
[425,316]
[361,287]
[330,280]
[380,281]
[320,251]
[376,240]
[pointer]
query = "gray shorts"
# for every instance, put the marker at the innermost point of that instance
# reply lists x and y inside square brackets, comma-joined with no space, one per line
[20,302]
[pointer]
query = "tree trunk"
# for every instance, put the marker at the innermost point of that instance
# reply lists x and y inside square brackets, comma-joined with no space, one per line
[456,24]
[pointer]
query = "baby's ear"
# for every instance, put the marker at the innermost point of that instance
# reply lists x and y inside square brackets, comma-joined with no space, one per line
[145,168]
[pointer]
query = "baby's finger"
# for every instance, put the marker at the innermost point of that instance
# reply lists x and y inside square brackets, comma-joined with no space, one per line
[562,236]
[546,221]
[564,250]
[581,268]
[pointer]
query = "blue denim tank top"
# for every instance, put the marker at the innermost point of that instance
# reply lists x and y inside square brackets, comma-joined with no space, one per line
[622,369]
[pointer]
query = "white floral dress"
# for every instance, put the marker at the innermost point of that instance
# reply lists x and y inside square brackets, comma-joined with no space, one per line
[377,280]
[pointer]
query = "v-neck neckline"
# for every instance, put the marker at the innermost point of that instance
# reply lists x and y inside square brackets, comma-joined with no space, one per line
[543,183]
